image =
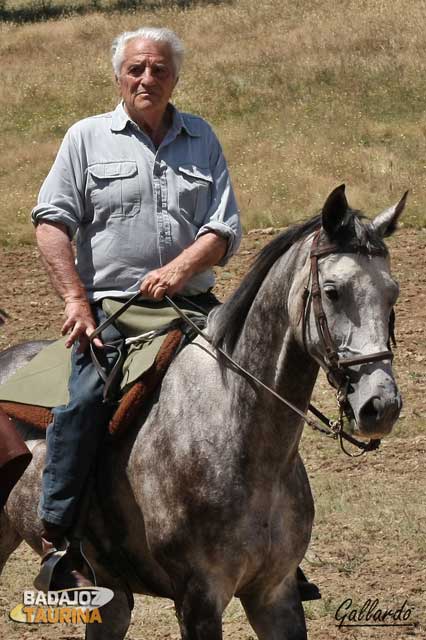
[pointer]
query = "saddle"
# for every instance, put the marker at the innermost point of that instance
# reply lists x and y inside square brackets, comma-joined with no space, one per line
[14,457]
[130,404]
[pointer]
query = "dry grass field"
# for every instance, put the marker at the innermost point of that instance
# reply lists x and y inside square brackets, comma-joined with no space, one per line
[304,94]
[369,538]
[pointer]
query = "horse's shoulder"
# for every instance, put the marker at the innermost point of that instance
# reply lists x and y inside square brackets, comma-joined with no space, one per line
[197,361]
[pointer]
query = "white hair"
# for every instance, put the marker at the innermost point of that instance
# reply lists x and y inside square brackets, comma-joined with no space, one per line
[148,33]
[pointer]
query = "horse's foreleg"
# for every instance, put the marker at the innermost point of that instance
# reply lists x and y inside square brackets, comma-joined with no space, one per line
[278,615]
[9,539]
[115,620]
[199,615]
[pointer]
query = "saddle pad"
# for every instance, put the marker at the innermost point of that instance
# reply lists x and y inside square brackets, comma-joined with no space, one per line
[138,319]
[130,405]
[43,381]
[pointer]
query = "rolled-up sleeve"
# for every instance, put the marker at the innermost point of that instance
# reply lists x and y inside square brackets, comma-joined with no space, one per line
[223,216]
[61,195]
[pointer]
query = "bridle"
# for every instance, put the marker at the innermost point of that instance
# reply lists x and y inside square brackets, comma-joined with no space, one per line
[333,364]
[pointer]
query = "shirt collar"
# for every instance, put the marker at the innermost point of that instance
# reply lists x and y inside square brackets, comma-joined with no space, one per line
[180,121]
[120,118]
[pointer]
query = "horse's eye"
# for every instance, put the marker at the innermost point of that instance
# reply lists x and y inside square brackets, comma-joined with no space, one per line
[332,294]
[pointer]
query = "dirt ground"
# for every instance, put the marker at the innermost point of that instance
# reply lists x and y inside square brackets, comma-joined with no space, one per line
[369,538]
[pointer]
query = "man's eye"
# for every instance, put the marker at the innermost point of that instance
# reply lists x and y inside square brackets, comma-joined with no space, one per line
[160,71]
[135,71]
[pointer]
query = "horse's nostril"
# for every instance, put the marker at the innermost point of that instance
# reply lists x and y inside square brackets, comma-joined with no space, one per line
[378,413]
[372,410]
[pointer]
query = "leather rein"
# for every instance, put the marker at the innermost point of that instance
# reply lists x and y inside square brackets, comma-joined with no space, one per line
[334,366]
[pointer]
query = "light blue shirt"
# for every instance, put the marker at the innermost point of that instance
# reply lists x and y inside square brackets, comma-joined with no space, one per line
[134,208]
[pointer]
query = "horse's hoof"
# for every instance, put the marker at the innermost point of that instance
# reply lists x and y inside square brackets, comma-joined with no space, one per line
[307,590]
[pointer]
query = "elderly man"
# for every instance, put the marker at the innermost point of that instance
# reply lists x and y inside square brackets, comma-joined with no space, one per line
[146,192]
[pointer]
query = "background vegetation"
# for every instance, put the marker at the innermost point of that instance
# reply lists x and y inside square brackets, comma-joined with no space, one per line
[304,94]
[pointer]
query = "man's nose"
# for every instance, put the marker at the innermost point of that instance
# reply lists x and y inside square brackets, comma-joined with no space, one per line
[147,76]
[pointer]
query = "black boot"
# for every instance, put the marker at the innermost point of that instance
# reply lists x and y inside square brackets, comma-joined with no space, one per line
[308,590]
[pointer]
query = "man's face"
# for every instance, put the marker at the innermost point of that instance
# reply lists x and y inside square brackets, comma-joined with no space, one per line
[147,79]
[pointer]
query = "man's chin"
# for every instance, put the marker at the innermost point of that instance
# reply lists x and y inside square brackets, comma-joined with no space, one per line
[146,108]
[146,98]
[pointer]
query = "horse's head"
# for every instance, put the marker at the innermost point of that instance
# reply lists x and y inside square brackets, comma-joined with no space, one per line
[348,312]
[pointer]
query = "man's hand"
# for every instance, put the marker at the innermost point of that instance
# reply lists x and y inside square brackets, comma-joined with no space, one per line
[205,252]
[166,280]
[79,324]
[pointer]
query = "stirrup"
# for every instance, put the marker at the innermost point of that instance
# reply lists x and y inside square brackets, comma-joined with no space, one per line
[46,575]
[43,580]
[76,547]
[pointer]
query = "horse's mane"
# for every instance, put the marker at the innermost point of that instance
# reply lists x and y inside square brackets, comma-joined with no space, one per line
[352,234]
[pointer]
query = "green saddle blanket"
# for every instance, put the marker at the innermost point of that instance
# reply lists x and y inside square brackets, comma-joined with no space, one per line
[44,380]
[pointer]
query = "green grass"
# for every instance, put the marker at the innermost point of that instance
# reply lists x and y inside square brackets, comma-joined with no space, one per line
[304,95]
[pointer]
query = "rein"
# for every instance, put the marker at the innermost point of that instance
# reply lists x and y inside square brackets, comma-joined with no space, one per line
[334,365]
[334,428]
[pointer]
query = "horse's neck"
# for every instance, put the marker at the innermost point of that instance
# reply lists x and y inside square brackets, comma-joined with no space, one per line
[268,349]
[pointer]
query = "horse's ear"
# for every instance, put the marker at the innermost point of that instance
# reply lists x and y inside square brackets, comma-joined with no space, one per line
[387,221]
[334,209]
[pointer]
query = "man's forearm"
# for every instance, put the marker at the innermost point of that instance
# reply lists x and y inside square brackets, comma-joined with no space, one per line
[58,258]
[204,253]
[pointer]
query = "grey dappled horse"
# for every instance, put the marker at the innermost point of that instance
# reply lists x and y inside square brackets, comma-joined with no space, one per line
[209,497]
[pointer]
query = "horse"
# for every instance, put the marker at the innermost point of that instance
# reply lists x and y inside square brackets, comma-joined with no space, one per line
[207,498]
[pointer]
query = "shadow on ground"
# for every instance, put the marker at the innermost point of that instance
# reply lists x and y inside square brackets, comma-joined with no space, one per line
[42,10]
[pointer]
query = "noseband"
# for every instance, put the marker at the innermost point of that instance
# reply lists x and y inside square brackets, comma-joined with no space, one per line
[334,365]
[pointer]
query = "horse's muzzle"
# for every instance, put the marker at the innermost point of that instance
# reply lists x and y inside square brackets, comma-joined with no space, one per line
[378,415]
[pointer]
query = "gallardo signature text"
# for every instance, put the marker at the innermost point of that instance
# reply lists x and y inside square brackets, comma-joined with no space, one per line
[372,614]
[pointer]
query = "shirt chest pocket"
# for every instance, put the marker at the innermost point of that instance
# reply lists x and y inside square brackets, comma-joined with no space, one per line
[113,189]
[195,192]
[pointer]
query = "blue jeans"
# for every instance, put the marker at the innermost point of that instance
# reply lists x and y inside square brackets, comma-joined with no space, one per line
[74,437]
